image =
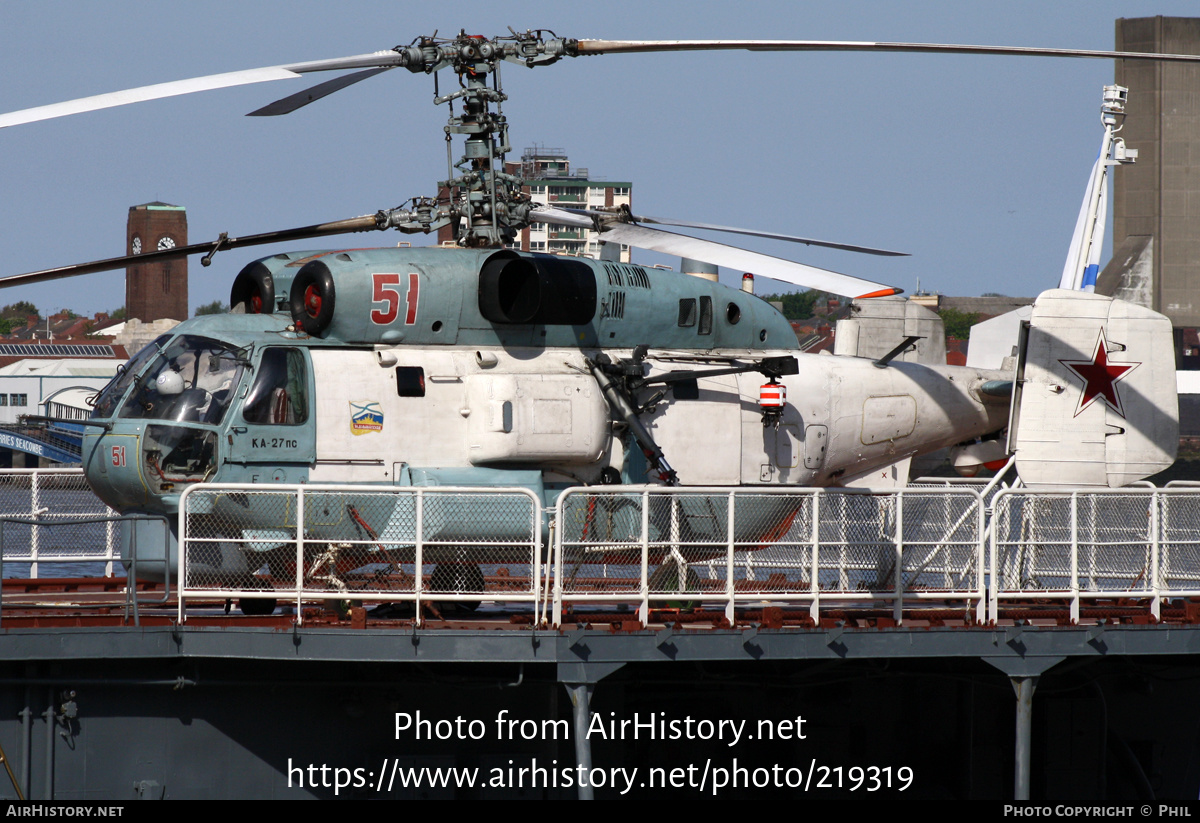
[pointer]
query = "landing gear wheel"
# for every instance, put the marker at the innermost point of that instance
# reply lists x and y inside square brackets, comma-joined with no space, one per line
[458,578]
[257,606]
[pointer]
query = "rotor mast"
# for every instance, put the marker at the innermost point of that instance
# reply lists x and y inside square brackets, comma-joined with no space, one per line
[486,206]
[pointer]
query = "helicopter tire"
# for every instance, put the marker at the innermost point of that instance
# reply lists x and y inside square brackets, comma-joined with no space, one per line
[458,577]
[253,290]
[312,298]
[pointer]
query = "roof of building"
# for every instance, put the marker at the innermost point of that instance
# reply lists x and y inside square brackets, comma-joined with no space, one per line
[578,182]
[62,367]
[15,350]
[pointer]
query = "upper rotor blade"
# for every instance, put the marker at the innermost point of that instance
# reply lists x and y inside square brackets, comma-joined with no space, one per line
[616,46]
[808,241]
[354,224]
[300,99]
[760,264]
[194,84]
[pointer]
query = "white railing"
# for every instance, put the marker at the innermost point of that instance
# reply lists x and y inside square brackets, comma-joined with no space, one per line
[819,550]
[814,548]
[1139,544]
[360,543]
[60,496]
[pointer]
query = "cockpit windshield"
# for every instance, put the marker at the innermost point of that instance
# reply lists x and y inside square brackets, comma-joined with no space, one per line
[110,395]
[191,380]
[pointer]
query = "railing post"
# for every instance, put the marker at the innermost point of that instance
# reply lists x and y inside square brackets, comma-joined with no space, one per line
[897,575]
[814,611]
[34,535]
[981,542]
[539,571]
[558,562]
[419,558]
[299,555]
[730,591]
[993,605]
[110,543]
[1155,529]
[644,606]
[184,499]
[1074,557]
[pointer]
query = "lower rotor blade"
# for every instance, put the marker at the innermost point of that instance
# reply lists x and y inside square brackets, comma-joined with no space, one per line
[562,217]
[289,104]
[666,221]
[808,241]
[354,224]
[731,257]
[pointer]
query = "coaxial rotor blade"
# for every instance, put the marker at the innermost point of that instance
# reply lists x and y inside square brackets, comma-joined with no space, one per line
[288,71]
[354,224]
[686,224]
[808,241]
[289,104]
[578,218]
[619,46]
[731,257]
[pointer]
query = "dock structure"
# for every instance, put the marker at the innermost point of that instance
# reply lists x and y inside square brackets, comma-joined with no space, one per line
[733,676]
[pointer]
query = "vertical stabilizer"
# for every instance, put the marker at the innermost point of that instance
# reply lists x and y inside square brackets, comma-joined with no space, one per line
[1097,405]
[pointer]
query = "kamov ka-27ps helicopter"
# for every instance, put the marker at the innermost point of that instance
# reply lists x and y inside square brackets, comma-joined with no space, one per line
[483,366]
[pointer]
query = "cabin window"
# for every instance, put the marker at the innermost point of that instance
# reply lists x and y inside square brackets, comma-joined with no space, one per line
[18,400]
[410,381]
[685,390]
[687,312]
[705,315]
[279,395]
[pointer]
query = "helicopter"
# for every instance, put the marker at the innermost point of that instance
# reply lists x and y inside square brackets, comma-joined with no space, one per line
[484,366]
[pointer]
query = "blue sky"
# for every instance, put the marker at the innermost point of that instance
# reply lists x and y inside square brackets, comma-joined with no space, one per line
[976,165]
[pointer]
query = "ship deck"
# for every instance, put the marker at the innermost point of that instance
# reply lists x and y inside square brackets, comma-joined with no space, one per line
[1103,621]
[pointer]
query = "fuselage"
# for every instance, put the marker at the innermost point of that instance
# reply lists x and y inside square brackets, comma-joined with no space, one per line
[432,368]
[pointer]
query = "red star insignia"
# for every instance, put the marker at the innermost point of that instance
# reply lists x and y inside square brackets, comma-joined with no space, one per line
[1100,377]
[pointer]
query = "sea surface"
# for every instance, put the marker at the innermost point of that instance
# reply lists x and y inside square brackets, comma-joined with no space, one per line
[65,546]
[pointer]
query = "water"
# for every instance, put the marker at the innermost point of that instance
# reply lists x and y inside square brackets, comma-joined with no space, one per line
[64,546]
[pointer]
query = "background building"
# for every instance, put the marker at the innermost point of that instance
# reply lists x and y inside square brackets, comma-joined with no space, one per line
[158,290]
[549,180]
[54,379]
[1156,201]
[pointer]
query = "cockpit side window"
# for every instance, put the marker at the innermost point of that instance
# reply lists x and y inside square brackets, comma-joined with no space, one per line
[279,395]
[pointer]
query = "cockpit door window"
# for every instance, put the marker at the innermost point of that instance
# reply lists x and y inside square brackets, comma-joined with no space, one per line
[279,394]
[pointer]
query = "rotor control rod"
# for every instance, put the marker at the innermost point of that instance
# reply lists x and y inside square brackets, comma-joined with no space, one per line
[368,222]
[772,367]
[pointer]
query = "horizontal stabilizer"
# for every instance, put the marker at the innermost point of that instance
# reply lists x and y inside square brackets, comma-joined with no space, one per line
[1097,405]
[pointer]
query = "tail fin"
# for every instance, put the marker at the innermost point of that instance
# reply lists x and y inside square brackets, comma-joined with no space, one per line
[1096,402]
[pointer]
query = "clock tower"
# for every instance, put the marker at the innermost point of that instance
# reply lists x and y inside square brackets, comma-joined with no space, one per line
[155,291]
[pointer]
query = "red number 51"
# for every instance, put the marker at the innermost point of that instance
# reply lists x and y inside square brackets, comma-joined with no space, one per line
[386,289]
